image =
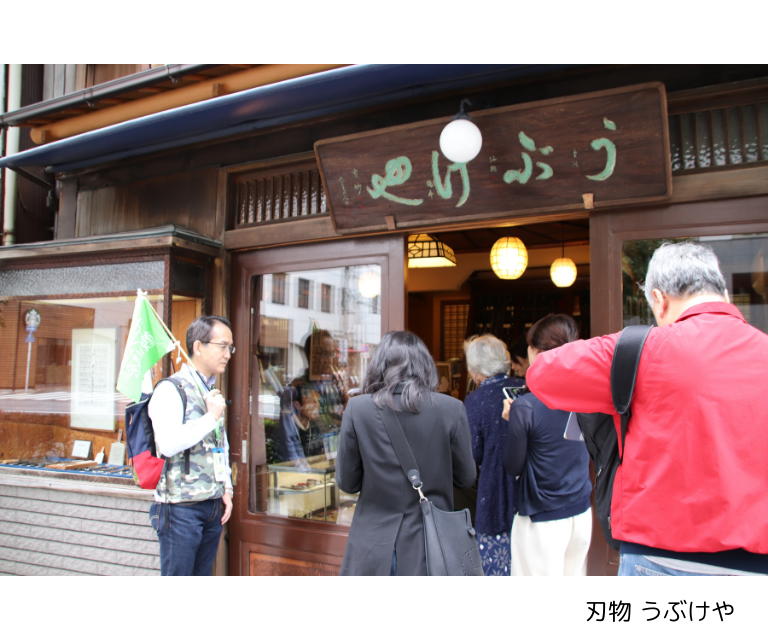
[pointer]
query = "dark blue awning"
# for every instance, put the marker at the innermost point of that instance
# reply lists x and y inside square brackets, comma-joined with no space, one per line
[284,102]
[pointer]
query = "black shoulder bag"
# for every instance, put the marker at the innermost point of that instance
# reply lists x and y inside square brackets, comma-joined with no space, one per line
[449,537]
[599,430]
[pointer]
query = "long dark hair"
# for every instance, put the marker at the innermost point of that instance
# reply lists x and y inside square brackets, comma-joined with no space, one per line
[553,331]
[400,357]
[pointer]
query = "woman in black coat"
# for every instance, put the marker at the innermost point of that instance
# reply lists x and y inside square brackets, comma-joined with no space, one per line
[387,535]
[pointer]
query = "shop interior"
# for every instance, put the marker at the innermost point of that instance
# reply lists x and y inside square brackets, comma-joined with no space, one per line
[466,296]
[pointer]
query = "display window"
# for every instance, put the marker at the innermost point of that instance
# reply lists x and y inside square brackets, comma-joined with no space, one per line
[312,357]
[63,332]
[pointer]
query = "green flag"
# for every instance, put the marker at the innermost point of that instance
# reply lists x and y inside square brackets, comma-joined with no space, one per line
[147,343]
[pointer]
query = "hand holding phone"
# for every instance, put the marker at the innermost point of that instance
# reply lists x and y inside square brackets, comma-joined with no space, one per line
[507,405]
[510,393]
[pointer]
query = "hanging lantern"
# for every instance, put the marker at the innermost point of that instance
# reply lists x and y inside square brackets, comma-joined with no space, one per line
[461,140]
[563,272]
[509,258]
[369,284]
[425,250]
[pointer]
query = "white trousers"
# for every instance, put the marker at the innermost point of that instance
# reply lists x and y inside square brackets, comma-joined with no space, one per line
[551,548]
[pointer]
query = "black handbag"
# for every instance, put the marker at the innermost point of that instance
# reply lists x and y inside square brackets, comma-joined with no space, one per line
[449,537]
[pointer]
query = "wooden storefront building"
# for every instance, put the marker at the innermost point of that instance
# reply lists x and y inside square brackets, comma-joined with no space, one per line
[291,208]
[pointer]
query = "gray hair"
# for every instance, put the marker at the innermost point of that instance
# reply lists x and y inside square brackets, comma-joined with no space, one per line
[684,269]
[487,355]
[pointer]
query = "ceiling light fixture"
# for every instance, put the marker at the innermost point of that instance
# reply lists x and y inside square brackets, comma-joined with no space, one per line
[563,270]
[425,250]
[509,258]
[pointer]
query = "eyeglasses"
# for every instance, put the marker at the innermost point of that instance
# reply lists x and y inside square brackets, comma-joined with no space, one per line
[223,346]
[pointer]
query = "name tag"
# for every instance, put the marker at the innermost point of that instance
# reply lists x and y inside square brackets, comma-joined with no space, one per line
[219,465]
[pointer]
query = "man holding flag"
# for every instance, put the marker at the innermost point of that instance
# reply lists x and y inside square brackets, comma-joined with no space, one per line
[193,498]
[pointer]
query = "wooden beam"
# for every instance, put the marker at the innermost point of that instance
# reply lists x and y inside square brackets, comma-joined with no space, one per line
[98,247]
[121,111]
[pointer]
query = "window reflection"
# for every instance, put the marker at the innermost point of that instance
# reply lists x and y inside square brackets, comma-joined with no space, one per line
[316,333]
[743,261]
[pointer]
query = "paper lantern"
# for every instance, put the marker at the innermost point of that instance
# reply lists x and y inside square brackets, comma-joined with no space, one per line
[509,258]
[563,272]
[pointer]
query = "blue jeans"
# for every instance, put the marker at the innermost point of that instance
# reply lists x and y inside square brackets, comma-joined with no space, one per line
[636,565]
[189,536]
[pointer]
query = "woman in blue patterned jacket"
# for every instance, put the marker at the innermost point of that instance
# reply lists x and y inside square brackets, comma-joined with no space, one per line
[488,362]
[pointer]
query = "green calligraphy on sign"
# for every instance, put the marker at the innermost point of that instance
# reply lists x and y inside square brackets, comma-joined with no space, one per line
[523,175]
[610,150]
[546,171]
[397,171]
[610,161]
[445,189]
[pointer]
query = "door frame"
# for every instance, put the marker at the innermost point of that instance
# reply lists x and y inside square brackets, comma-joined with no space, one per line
[608,230]
[285,545]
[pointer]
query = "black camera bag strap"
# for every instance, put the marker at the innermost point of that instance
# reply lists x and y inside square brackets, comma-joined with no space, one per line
[626,359]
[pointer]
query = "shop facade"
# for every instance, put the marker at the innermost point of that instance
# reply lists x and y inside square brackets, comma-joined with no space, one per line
[257,226]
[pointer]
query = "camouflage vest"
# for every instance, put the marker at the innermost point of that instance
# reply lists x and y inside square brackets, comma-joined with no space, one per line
[174,486]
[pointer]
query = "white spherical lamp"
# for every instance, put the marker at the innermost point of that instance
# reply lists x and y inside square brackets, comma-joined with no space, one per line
[509,258]
[563,272]
[461,140]
[369,284]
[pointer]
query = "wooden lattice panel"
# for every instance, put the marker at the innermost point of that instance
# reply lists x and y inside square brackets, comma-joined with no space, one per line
[280,196]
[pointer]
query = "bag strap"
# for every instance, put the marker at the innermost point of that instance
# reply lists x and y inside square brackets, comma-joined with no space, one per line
[626,359]
[183,395]
[402,449]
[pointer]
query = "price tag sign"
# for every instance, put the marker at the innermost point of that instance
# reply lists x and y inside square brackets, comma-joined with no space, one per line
[81,449]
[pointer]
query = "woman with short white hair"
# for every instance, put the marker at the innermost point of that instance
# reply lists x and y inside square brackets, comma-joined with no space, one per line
[488,362]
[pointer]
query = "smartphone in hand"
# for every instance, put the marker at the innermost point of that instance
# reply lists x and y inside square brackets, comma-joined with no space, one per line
[510,393]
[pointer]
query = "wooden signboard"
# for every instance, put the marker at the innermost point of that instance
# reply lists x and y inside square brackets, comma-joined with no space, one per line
[594,150]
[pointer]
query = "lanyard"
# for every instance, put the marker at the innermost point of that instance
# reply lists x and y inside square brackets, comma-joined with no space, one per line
[195,377]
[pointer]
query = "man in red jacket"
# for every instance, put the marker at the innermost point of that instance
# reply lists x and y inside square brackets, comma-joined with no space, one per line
[691,496]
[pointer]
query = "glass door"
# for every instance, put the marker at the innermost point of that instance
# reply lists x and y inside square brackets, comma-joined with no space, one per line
[310,317]
[317,330]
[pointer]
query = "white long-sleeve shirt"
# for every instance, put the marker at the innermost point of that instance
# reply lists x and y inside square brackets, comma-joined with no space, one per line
[172,435]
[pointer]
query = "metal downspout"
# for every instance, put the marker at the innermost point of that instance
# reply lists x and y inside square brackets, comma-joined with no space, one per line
[12,146]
